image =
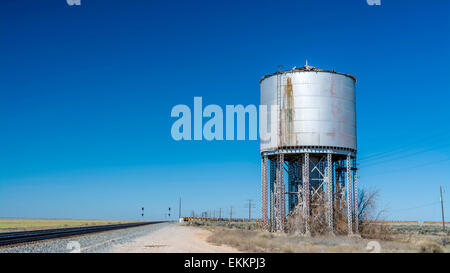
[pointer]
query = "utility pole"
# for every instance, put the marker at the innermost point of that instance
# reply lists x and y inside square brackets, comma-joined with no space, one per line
[442,209]
[220,213]
[179,209]
[249,210]
[231,213]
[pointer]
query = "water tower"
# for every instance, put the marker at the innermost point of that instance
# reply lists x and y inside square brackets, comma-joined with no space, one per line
[309,160]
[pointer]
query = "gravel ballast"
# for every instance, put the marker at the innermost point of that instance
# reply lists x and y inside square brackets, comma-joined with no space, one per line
[91,243]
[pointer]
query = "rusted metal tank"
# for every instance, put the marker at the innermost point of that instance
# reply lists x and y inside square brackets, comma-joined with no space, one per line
[316,109]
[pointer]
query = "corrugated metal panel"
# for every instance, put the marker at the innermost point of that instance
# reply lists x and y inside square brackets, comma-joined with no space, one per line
[318,109]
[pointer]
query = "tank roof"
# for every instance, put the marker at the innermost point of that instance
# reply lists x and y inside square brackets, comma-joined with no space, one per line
[306,68]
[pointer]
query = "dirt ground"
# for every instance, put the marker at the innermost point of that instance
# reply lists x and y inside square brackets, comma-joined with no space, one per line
[183,238]
[265,242]
[259,241]
[174,238]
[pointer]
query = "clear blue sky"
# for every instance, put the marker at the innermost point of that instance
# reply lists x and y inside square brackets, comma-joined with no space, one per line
[86,94]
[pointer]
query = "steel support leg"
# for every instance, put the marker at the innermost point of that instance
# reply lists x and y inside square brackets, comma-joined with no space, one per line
[299,184]
[349,195]
[264,192]
[280,200]
[355,199]
[282,194]
[329,177]
[276,196]
[306,192]
[272,194]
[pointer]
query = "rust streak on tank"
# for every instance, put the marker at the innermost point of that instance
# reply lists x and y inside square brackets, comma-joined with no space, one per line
[289,111]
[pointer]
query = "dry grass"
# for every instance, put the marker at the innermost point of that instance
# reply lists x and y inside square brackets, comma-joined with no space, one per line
[368,217]
[265,242]
[431,248]
[424,243]
[250,238]
[10,225]
[258,241]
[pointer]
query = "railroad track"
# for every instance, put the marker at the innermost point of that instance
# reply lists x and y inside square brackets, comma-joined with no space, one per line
[11,238]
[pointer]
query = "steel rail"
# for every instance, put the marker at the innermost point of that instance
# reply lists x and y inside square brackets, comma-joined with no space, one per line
[10,238]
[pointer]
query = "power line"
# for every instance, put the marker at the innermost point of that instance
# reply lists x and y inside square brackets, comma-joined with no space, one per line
[418,207]
[400,156]
[407,152]
[403,147]
[409,168]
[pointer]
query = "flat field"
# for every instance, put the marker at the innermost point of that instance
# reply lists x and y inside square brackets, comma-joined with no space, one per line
[10,224]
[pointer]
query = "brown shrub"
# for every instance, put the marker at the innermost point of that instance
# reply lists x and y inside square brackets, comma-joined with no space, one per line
[430,248]
[367,217]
